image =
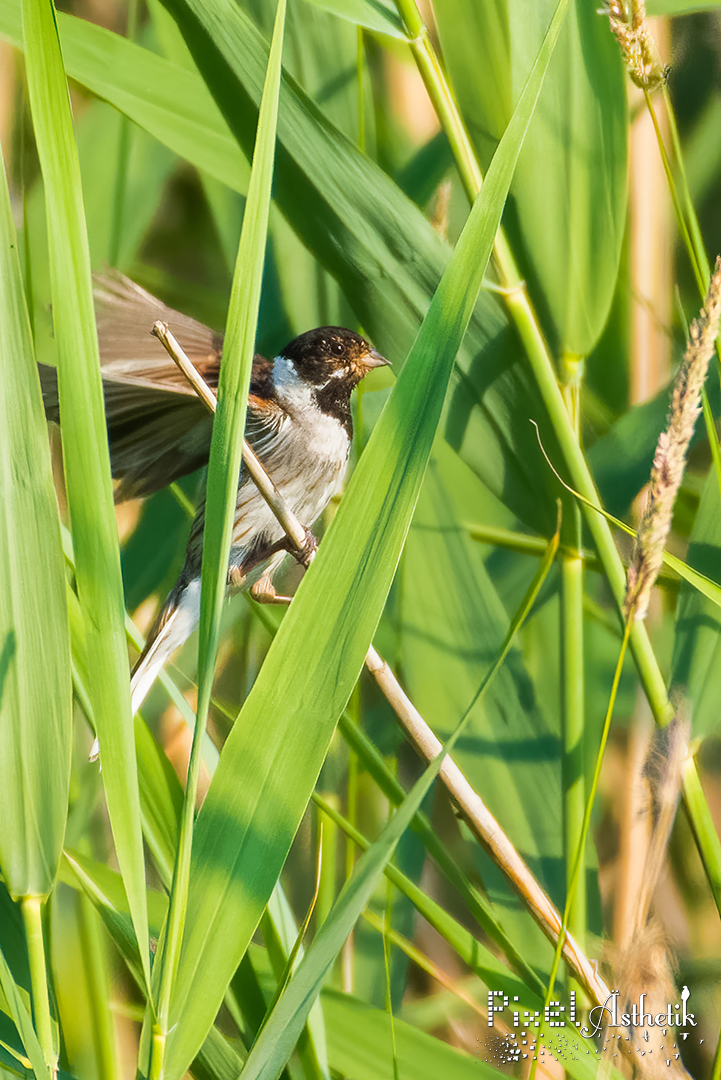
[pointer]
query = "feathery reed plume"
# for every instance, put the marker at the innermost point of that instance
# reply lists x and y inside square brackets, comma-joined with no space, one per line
[670,459]
[643,961]
[640,54]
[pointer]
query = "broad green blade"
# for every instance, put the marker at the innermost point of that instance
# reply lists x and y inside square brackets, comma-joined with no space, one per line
[352,217]
[273,755]
[83,986]
[85,450]
[376,766]
[172,104]
[570,185]
[452,624]
[378,15]
[278,1037]
[35,688]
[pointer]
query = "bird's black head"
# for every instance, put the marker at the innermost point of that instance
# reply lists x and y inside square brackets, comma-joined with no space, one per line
[333,361]
[332,353]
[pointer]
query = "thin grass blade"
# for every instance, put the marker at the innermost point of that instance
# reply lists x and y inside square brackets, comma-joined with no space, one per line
[85,450]
[35,687]
[223,471]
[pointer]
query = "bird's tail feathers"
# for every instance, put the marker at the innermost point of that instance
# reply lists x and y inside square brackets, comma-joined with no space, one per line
[152,659]
[176,622]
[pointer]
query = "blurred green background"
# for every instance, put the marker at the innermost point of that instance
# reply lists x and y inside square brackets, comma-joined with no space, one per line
[368,202]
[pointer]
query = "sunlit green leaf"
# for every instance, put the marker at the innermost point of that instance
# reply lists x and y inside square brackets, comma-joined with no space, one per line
[85,448]
[278,743]
[35,690]
[222,485]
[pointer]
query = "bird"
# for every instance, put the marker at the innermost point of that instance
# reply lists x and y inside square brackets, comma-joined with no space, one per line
[298,423]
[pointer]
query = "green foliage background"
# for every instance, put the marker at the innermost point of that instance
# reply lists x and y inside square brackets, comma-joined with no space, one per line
[374,224]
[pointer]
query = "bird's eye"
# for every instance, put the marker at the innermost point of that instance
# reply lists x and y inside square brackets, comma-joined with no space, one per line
[338,348]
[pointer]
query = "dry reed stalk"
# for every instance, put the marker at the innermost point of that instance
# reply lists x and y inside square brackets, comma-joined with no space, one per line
[484,827]
[642,960]
[670,459]
[640,54]
[480,820]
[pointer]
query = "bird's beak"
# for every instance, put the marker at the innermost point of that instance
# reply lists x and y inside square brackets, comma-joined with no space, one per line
[373,359]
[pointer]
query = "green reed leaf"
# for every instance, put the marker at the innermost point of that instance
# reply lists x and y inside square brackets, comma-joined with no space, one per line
[569,189]
[378,15]
[85,449]
[35,689]
[273,755]
[223,470]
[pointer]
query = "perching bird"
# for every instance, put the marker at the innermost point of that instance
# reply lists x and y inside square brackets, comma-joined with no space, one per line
[298,422]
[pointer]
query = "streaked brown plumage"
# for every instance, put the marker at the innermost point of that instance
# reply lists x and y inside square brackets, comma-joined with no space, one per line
[298,422]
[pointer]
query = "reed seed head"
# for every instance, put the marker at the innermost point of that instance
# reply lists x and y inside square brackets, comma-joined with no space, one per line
[640,54]
[670,459]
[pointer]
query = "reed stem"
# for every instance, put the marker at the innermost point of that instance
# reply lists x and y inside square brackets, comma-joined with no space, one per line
[579,860]
[32,912]
[704,829]
[520,309]
[573,674]
[572,727]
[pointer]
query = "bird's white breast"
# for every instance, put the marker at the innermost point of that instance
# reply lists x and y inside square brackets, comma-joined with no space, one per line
[306,456]
[323,436]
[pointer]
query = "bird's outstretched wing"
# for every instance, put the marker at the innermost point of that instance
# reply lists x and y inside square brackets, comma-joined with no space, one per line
[158,429]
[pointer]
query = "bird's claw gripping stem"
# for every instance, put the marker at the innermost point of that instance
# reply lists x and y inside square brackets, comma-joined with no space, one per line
[306,552]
